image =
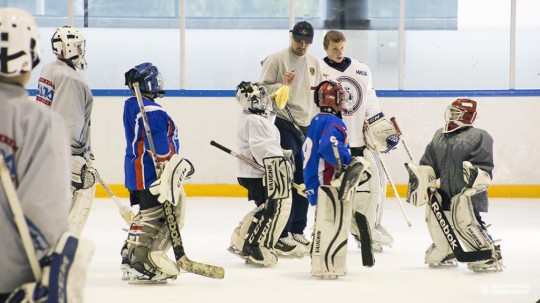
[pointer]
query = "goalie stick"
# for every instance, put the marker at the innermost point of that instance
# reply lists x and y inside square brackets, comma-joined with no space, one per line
[450,235]
[126,212]
[19,219]
[293,121]
[182,260]
[299,187]
[370,141]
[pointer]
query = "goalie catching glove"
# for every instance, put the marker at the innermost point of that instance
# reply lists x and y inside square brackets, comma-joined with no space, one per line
[169,185]
[82,176]
[385,135]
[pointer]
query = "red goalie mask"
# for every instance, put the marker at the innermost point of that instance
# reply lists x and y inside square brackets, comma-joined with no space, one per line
[329,93]
[461,113]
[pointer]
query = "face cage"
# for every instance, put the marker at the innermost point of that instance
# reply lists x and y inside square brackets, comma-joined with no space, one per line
[453,114]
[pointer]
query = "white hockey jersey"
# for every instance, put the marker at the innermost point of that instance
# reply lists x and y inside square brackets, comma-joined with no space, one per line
[355,78]
[257,138]
[64,90]
[35,146]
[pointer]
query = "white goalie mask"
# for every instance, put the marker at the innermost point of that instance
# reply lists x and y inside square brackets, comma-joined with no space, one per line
[19,42]
[69,44]
[252,96]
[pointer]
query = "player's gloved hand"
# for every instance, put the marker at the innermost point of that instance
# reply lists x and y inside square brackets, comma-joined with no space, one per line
[392,143]
[169,185]
[82,176]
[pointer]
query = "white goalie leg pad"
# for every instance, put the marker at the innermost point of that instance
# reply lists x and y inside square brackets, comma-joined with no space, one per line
[440,249]
[277,178]
[422,181]
[81,203]
[240,233]
[368,201]
[468,229]
[169,185]
[332,222]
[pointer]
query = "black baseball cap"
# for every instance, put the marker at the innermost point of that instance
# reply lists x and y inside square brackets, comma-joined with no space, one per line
[303,31]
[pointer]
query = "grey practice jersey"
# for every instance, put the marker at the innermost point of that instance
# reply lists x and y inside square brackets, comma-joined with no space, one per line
[33,141]
[63,89]
[446,153]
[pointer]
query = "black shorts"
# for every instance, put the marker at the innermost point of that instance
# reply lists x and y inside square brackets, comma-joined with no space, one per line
[256,190]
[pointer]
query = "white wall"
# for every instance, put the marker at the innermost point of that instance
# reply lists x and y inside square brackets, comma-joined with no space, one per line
[511,121]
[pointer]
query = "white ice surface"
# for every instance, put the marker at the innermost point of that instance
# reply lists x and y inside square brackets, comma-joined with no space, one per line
[399,274]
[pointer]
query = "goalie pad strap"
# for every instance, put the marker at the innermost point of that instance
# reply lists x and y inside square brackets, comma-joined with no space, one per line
[472,234]
[422,181]
[332,223]
[277,177]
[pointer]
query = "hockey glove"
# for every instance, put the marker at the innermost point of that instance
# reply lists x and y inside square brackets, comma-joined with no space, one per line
[82,176]
[169,185]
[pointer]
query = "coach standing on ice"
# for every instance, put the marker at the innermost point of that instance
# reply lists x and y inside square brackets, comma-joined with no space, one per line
[295,68]
[64,90]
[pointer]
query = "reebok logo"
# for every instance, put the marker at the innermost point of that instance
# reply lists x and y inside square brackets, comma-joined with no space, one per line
[171,223]
[443,222]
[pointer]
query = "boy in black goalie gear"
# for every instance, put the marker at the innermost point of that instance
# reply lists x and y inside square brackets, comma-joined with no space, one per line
[144,258]
[461,157]
[331,175]
[269,187]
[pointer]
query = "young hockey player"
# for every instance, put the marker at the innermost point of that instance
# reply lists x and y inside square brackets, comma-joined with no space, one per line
[64,90]
[331,175]
[461,157]
[269,187]
[355,78]
[34,173]
[144,258]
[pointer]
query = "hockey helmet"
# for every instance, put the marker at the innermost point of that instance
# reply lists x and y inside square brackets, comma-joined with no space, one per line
[461,113]
[19,42]
[68,43]
[330,94]
[252,96]
[149,79]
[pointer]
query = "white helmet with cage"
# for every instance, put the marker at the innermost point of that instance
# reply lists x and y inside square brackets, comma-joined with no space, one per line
[69,44]
[19,42]
[253,97]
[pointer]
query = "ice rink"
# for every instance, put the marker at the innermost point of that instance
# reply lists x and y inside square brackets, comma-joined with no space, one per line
[399,274]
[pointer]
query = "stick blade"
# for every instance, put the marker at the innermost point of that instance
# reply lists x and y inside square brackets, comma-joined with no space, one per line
[201,269]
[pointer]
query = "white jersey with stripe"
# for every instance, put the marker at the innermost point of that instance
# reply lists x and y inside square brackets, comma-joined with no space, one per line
[34,144]
[361,96]
[64,90]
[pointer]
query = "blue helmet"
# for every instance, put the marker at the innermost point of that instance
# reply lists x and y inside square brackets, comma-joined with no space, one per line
[149,79]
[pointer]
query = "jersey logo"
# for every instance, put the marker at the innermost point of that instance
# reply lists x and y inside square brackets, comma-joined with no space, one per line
[361,72]
[45,91]
[312,71]
[355,94]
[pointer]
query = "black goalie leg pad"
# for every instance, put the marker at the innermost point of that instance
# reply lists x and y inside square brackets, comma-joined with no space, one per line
[368,259]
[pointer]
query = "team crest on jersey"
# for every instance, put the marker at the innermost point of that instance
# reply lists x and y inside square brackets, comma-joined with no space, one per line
[45,91]
[312,71]
[355,94]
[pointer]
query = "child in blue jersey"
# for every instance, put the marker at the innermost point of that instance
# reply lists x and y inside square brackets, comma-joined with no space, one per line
[326,131]
[140,249]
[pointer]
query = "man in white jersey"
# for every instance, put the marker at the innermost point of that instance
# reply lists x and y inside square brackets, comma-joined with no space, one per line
[64,90]
[295,68]
[355,77]
[34,147]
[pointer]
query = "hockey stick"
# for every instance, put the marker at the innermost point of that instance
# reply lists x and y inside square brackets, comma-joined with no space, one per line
[19,218]
[300,188]
[293,121]
[400,134]
[370,140]
[126,212]
[461,255]
[182,260]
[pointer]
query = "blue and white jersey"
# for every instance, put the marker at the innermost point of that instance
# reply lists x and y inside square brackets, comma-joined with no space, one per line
[318,156]
[139,168]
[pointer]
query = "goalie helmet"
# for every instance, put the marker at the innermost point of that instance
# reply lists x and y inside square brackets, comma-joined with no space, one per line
[252,96]
[69,44]
[149,79]
[330,97]
[19,43]
[461,113]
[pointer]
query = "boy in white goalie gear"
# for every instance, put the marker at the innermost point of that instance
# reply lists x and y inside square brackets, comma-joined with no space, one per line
[361,98]
[461,157]
[62,89]
[34,147]
[258,138]
[144,258]
[328,185]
